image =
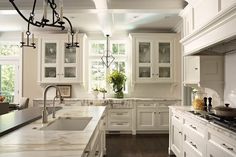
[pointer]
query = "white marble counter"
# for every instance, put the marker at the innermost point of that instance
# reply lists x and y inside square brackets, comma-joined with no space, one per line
[116,99]
[184,111]
[29,142]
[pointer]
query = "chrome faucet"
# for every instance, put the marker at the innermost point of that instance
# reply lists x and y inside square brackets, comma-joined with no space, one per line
[44,112]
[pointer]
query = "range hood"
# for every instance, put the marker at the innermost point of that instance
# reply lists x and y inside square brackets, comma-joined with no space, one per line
[218,35]
[227,46]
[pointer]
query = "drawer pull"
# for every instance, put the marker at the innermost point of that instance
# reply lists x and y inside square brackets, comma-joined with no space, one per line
[194,145]
[86,153]
[180,132]
[97,153]
[177,117]
[195,128]
[119,114]
[119,123]
[227,147]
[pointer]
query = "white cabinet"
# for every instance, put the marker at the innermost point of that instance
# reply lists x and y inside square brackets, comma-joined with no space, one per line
[146,117]
[219,145]
[216,26]
[205,71]
[154,57]
[176,133]
[119,119]
[200,69]
[59,64]
[120,116]
[194,138]
[151,116]
[97,143]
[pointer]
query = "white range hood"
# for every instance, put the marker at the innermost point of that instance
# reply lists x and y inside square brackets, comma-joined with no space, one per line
[219,28]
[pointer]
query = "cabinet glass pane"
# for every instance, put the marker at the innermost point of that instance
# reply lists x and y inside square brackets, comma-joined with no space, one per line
[144,52]
[70,55]
[164,52]
[144,72]
[50,52]
[69,72]
[164,72]
[50,72]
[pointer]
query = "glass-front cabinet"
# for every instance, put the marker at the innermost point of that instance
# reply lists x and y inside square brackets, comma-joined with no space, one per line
[144,59]
[154,58]
[60,64]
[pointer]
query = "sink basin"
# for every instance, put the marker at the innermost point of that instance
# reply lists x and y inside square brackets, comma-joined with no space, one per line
[68,124]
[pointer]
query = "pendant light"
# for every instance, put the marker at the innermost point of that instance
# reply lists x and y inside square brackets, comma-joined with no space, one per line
[57,21]
[107,57]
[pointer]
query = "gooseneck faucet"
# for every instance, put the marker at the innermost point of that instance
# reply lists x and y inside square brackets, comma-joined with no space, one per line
[44,112]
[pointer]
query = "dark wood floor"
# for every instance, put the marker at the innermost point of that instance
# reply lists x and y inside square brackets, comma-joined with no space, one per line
[137,146]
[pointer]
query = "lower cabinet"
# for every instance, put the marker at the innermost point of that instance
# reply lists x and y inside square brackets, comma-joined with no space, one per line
[119,119]
[176,134]
[193,137]
[97,144]
[219,145]
[151,116]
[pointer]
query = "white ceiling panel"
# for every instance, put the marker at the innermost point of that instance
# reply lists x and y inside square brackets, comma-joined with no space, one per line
[118,15]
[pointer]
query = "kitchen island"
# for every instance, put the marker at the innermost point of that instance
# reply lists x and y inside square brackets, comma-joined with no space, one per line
[196,134]
[31,140]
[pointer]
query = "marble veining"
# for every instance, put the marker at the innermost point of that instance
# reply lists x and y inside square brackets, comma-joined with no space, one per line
[184,110]
[30,141]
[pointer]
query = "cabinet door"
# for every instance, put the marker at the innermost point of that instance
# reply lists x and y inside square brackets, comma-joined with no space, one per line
[163,118]
[176,137]
[191,69]
[163,60]
[146,119]
[50,60]
[70,64]
[144,50]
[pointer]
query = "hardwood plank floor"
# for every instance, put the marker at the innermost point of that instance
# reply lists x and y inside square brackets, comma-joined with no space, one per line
[142,145]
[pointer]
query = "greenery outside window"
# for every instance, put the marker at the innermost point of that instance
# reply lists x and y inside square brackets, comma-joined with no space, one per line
[97,71]
[9,71]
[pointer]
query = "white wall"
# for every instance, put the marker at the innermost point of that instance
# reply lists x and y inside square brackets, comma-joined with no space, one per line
[230,79]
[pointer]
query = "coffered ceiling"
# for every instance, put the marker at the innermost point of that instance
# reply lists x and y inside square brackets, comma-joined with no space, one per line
[107,16]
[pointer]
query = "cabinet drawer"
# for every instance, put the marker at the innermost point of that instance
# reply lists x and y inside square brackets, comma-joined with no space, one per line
[190,151]
[119,114]
[119,125]
[220,143]
[196,143]
[194,128]
[146,105]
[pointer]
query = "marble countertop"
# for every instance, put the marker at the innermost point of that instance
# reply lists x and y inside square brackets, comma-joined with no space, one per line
[30,141]
[184,110]
[115,99]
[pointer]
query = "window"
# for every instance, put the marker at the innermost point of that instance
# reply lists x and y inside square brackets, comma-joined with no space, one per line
[9,71]
[97,71]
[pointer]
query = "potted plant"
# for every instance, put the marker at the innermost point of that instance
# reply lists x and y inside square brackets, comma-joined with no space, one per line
[117,79]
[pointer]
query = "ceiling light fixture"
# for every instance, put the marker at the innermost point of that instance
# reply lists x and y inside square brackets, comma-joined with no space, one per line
[107,58]
[57,21]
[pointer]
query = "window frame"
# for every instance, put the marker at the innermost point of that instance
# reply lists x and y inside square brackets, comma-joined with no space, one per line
[119,58]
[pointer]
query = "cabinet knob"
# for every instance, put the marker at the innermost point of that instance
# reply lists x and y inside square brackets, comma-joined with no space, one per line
[196,68]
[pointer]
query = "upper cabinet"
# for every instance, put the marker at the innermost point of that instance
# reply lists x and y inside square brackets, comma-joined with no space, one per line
[59,64]
[207,22]
[153,57]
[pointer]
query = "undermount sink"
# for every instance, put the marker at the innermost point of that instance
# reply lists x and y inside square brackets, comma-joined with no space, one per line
[68,124]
